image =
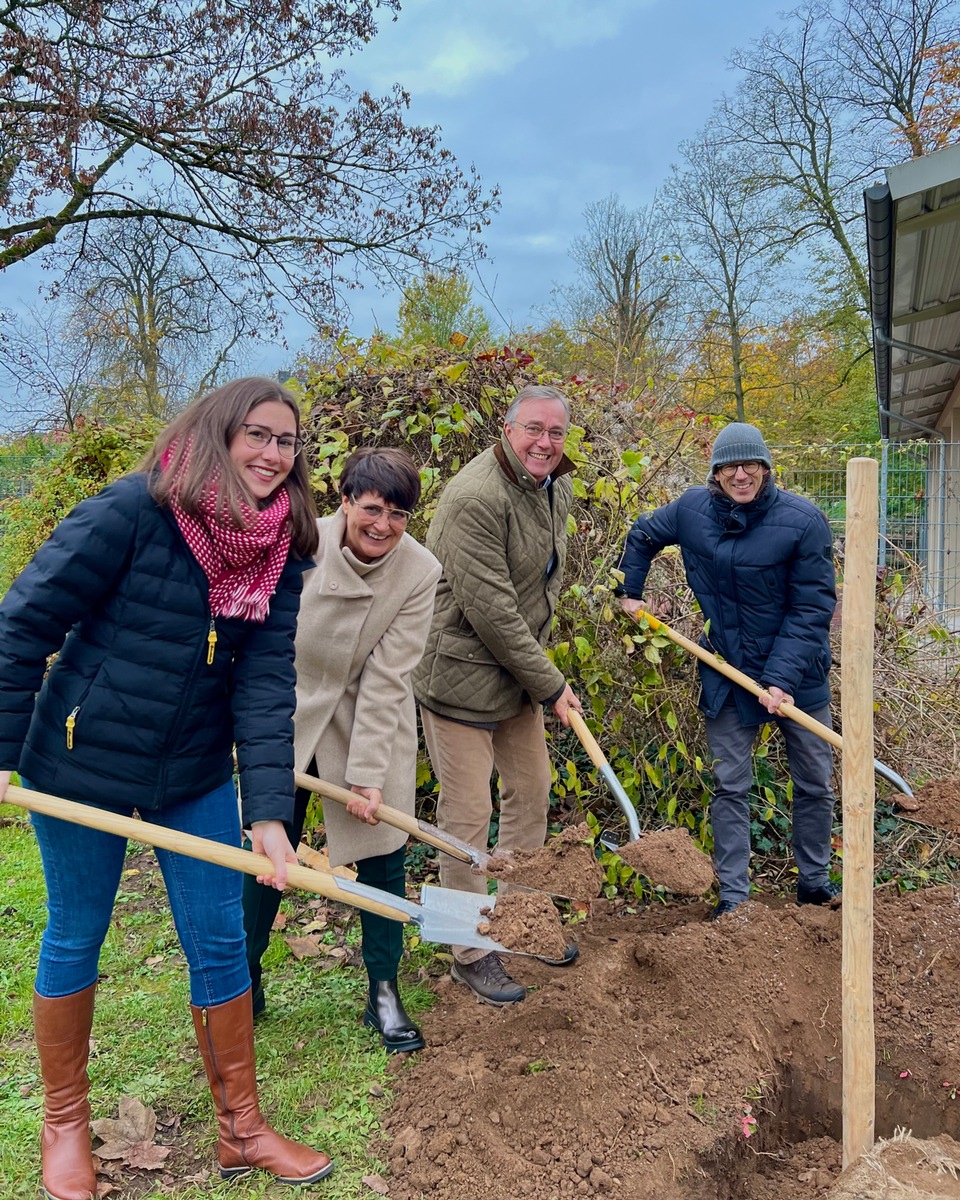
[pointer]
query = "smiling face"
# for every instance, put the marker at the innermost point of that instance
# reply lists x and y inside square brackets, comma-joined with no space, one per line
[369,537]
[539,456]
[263,468]
[741,486]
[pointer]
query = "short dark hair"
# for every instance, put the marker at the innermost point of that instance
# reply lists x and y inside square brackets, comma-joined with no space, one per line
[386,470]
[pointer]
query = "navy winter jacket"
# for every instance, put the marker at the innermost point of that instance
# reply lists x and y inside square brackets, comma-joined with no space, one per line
[148,693]
[763,575]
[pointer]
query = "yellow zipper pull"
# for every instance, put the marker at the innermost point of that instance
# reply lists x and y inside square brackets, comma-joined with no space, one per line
[71,722]
[211,643]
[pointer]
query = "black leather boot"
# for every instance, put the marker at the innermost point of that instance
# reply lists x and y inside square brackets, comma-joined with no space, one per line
[385,1013]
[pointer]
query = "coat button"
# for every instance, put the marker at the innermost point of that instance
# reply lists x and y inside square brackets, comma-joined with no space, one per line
[334,586]
[470,656]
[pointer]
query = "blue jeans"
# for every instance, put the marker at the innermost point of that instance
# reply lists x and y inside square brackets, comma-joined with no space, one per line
[810,760]
[82,869]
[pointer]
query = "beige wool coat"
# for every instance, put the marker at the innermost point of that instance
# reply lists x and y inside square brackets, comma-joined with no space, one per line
[361,631]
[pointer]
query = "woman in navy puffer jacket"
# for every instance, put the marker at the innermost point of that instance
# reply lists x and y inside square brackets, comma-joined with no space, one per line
[171,599]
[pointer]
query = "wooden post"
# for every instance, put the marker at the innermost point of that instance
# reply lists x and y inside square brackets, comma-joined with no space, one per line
[859,602]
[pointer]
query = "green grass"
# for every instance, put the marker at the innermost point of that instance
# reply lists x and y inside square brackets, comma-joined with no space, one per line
[323,1077]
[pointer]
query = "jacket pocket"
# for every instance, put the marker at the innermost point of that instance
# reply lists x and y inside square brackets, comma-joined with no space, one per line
[466,675]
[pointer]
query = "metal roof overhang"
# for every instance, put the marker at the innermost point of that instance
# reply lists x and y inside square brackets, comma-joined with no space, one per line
[913,250]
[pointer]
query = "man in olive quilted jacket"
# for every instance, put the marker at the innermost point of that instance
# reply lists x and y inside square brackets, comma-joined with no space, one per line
[500,533]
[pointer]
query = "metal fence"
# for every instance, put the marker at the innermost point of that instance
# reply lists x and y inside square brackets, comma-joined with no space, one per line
[17,472]
[919,511]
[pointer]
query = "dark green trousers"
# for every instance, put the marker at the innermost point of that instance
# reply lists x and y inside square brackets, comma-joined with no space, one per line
[382,944]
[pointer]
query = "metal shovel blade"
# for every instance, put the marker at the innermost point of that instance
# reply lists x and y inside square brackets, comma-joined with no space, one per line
[444,916]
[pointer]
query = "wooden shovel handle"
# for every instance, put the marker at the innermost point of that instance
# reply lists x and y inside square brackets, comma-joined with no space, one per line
[587,740]
[712,660]
[193,847]
[390,816]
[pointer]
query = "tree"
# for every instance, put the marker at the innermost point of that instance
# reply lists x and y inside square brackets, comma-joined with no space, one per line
[161,327]
[623,289]
[729,238]
[940,120]
[48,364]
[232,104]
[437,310]
[807,93]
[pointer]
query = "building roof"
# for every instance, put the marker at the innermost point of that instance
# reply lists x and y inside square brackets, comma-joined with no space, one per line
[913,249]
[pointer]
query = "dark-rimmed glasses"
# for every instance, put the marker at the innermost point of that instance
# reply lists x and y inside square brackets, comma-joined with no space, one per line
[535,430]
[730,469]
[258,437]
[398,516]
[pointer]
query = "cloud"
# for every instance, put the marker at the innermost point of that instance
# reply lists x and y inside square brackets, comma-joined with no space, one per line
[442,49]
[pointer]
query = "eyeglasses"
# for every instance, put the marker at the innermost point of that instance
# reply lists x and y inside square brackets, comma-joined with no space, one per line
[750,468]
[535,430]
[258,438]
[399,516]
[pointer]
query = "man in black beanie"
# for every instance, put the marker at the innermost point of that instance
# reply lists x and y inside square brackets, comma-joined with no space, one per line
[760,563]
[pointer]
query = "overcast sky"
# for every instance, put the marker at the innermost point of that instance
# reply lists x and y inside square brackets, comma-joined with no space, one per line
[560,102]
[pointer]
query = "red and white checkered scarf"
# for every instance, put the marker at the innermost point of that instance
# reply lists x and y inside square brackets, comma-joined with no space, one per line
[242,565]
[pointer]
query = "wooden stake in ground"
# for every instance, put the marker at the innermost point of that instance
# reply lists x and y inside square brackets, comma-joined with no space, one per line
[859,602]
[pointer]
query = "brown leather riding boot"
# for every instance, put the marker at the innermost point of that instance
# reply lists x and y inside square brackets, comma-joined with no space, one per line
[225,1038]
[62,1027]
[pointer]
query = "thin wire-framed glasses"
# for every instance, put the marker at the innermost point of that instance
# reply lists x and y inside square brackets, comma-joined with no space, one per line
[399,516]
[258,438]
[730,469]
[535,430]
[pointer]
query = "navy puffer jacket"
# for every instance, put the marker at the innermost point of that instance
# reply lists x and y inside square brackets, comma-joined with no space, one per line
[155,691]
[763,575]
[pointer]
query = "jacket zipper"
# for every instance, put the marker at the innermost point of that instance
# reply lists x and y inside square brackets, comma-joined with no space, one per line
[211,642]
[71,723]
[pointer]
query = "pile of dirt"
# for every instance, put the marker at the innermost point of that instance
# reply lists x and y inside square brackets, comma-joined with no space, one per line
[565,866]
[526,922]
[937,804]
[671,859]
[680,1058]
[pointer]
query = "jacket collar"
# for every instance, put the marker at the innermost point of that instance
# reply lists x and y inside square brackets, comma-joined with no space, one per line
[511,468]
[734,517]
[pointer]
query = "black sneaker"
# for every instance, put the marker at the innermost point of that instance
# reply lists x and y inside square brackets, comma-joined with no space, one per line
[488,981]
[827,893]
[571,952]
[723,907]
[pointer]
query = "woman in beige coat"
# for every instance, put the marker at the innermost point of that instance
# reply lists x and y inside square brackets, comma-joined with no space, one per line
[364,616]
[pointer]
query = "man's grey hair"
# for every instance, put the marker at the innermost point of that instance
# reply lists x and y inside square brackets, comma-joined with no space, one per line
[536,391]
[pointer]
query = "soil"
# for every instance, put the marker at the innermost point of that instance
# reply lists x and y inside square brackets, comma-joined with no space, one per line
[526,922]
[937,803]
[640,1070]
[671,859]
[565,866]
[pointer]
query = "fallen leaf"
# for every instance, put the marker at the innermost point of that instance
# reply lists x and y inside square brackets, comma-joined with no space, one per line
[304,947]
[129,1137]
[376,1183]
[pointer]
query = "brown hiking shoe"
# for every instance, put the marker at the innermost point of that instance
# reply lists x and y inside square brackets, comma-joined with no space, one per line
[489,981]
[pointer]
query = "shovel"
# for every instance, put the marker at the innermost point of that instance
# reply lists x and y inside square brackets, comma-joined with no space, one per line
[422,830]
[599,760]
[785,709]
[444,916]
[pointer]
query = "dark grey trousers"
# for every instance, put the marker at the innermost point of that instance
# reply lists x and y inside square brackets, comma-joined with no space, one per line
[811,766]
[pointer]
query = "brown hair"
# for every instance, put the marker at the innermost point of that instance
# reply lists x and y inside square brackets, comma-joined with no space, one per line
[199,444]
[386,470]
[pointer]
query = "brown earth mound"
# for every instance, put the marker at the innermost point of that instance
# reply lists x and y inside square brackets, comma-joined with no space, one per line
[565,866]
[526,922]
[937,803]
[670,858]
[642,1070]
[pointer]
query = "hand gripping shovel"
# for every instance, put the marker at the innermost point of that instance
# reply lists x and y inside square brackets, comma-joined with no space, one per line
[785,709]
[444,916]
